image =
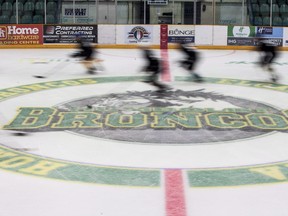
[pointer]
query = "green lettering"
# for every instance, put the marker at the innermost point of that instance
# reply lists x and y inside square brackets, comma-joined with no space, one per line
[119,120]
[183,119]
[267,121]
[225,120]
[31,117]
[78,120]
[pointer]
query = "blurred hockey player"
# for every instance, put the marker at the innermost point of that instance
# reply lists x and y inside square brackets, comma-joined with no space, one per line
[268,53]
[191,58]
[86,53]
[153,67]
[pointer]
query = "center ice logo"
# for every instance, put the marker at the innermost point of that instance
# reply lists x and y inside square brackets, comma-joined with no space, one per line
[178,117]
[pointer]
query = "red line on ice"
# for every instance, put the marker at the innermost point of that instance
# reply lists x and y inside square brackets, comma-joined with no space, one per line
[166,75]
[175,196]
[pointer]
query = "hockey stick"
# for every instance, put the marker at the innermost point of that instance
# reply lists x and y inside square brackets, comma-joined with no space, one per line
[52,71]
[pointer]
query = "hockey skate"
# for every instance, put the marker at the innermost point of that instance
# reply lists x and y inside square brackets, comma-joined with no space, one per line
[92,70]
[274,77]
[197,78]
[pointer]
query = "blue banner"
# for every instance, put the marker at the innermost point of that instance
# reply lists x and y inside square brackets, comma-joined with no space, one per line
[269,32]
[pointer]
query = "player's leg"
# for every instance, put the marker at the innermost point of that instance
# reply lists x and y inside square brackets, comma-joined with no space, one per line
[269,60]
[196,76]
[88,64]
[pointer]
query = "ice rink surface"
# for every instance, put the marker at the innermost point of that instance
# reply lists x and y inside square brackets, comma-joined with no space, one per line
[109,145]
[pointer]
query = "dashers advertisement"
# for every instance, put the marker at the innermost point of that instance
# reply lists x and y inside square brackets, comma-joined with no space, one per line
[181,34]
[285,37]
[138,34]
[21,34]
[251,35]
[241,35]
[271,34]
[67,33]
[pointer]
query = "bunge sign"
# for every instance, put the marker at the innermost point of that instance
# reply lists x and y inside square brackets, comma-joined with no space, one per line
[181,34]
[21,34]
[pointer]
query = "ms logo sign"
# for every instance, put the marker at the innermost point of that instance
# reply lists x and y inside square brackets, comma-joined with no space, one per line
[3,33]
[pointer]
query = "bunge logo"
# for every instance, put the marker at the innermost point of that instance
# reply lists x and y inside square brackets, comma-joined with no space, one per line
[3,33]
[180,32]
[138,33]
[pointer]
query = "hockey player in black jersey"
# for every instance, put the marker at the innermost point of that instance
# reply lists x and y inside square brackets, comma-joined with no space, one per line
[191,58]
[268,53]
[86,53]
[154,68]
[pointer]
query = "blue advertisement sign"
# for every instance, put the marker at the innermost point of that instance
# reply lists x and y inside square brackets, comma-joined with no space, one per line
[269,32]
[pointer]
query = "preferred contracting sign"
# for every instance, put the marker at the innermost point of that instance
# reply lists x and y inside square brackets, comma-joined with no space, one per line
[67,33]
